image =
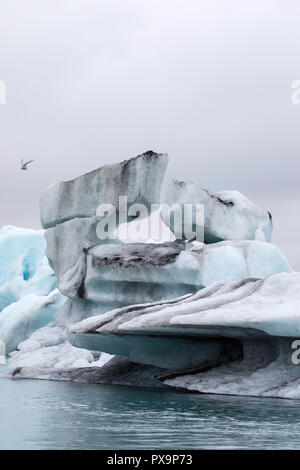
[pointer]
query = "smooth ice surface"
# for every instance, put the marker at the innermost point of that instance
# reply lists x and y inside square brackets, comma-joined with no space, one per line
[171,353]
[228,215]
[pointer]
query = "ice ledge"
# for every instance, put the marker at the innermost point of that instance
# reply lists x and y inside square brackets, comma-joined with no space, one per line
[269,306]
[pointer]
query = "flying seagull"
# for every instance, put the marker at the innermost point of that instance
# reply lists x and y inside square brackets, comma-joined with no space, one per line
[24,165]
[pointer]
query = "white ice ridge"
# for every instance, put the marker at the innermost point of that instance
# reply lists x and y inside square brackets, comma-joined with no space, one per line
[251,307]
[28,294]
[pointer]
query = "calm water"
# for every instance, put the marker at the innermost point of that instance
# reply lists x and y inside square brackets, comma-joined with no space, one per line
[61,415]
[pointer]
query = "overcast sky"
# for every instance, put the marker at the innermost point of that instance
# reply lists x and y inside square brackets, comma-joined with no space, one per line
[91,82]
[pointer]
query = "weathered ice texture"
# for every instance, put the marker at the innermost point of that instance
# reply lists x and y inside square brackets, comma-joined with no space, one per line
[139,179]
[66,242]
[228,215]
[266,370]
[251,307]
[137,272]
[211,317]
[254,323]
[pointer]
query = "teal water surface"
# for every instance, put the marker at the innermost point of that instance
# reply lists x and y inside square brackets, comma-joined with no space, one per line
[36,414]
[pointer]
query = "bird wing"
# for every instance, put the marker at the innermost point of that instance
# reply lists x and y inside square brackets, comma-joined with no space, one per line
[28,162]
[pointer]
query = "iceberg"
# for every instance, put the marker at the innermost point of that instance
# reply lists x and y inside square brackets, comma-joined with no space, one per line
[213,317]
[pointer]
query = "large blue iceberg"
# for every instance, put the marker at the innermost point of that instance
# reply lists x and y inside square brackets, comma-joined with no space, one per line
[212,317]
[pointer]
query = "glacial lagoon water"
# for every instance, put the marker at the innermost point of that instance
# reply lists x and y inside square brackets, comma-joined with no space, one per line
[36,414]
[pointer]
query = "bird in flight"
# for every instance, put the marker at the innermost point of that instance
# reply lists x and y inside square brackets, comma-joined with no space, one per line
[24,165]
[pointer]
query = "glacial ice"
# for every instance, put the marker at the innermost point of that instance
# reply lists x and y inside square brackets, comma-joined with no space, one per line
[125,272]
[21,253]
[171,353]
[228,215]
[139,179]
[19,319]
[252,307]
[28,294]
[98,277]
[265,370]
[260,316]
[218,317]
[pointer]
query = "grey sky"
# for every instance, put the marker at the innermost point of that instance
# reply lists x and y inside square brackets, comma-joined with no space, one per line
[91,82]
